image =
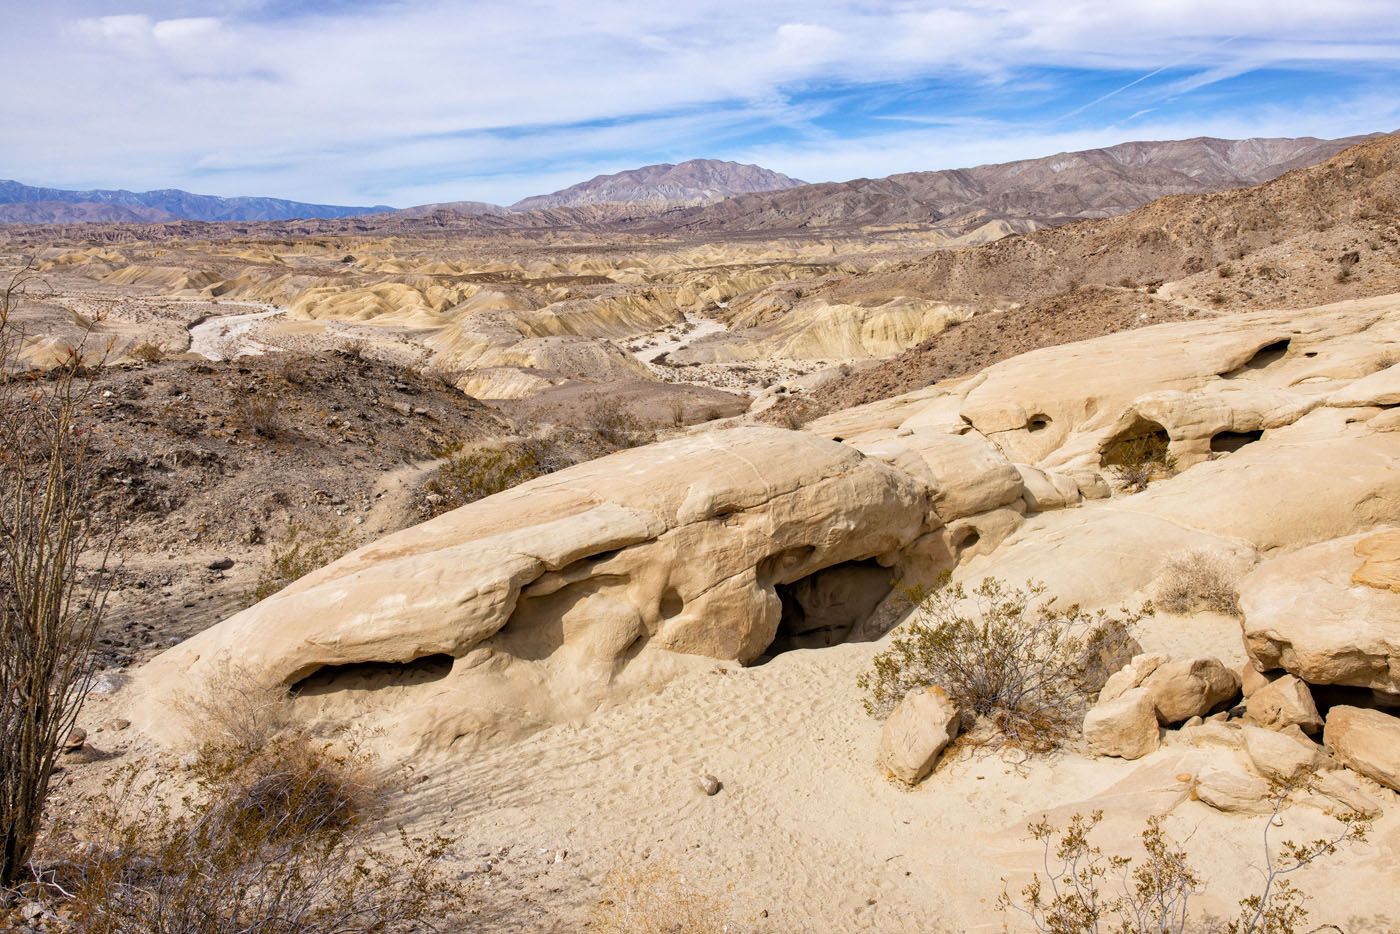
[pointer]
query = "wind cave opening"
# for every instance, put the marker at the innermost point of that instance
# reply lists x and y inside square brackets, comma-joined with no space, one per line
[1142,442]
[1264,357]
[828,607]
[1228,442]
[373,676]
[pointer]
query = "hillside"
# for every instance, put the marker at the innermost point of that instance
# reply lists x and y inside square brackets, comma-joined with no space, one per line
[1320,234]
[1027,194]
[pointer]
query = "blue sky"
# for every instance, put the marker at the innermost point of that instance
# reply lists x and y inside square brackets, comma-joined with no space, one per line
[411,101]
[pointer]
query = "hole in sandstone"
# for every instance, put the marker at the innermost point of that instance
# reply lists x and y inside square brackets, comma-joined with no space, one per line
[671,604]
[1265,356]
[828,607]
[1144,441]
[965,539]
[1038,423]
[373,676]
[1228,442]
[838,438]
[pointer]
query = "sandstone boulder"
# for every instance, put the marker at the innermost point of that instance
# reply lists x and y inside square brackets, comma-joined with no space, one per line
[1366,741]
[1282,703]
[1130,675]
[917,732]
[1304,612]
[1280,757]
[1345,793]
[1232,791]
[1380,566]
[1189,687]
[1125,726]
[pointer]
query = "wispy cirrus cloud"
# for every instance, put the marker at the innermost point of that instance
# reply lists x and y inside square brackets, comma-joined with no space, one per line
[423,100]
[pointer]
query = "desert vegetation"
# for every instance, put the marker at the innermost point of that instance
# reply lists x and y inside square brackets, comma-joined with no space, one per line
[1199,580]
[53,575]
[1086,891]
[1008,655]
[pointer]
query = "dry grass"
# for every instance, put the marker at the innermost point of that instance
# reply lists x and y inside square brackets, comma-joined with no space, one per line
[146,352]
[655,899]
[1136,461]
[1199,580]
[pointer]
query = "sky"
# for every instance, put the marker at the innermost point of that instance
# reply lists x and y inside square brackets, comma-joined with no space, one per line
[406,102]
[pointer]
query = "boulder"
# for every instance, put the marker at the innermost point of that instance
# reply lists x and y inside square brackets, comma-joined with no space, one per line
[1380,567]
[1305,612]
[1125,726]
[1252,679]
[1189,687]
[1366,741]
[917,732]
[969,474]
[1130,675]
[1280,757]
[1282,703]
[1345,793]
[1231,791]
[1046,491]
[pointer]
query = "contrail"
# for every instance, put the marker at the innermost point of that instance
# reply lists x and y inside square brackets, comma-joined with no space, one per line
[1136,81]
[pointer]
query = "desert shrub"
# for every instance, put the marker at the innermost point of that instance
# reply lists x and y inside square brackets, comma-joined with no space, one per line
[232,713]
[1009,655]
[614,425]
[1136,461]
[302,552]
[1197,580]
[260,415]
[1085,891]
[50,607]
[146,352]
[655,900]
[280,842]
[482,471]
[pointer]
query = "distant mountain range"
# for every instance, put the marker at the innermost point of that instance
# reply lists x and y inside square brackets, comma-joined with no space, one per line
[698,181]
[708,195]
[25,204]
[1026,194]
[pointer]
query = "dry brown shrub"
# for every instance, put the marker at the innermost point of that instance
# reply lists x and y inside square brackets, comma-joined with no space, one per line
[146,352]
[1134,462]
[232,712]
[1006,654]
[1199,580]
[280,842]
[50,607]
[655,899]
[616,426]
[260,415]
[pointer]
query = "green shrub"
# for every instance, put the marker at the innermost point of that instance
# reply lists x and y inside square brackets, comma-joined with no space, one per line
[1005,654]
[302,552]
[482,471]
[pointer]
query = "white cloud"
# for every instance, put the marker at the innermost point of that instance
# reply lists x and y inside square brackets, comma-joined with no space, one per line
[472,100]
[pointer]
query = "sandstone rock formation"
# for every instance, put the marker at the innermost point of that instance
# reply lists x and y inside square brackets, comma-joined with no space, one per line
[541,604]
